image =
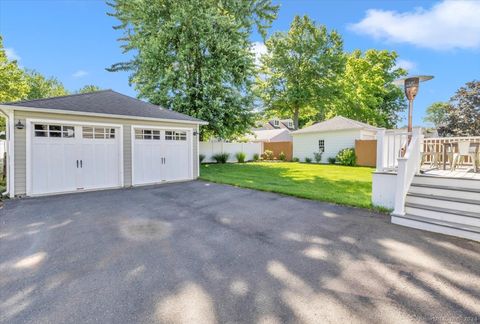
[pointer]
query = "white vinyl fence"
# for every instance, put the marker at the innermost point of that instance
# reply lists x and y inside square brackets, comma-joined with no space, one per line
[211,148]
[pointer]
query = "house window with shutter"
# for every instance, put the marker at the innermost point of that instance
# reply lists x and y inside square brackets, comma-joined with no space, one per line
[321,146]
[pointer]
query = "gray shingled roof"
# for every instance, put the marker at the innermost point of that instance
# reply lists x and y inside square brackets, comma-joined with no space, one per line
[104,102]
[335,124]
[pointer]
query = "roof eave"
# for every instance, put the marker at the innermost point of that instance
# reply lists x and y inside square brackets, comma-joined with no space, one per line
[80,113]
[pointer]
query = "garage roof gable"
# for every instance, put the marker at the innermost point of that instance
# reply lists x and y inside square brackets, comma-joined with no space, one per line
[105,102]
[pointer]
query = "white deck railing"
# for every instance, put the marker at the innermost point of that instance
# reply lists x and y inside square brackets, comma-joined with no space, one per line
[408,167]
[438,145]
[391,144]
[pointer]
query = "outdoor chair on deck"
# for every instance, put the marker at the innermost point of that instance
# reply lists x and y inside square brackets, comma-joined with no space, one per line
[432,153]
[465,150]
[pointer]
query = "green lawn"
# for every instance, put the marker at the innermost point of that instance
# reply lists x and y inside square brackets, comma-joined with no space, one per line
[343,185]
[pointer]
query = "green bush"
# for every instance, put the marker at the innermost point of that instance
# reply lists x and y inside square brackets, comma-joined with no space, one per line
[282,156]
[332,160]
[308,160]
[347,157]
[201,157]
[221,157]
[240,157]
[256,157]
[295,159]
[268,155]
[317,156]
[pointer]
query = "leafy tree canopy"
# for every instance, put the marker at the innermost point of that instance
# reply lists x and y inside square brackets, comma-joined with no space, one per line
[299,72]
[43,87]
[89,88]
[194,56]
[366,92]
[437,113]
[464,114]
[13,83]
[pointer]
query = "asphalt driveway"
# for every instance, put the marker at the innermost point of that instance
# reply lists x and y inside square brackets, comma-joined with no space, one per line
[203,253]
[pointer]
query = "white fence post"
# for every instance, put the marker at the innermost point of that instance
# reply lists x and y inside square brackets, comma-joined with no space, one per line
[380,149]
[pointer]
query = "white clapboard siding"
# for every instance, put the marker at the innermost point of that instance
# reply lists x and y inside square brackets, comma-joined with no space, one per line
[306,144]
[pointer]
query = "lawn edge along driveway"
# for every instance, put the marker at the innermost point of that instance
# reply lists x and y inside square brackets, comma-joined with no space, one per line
[349,186]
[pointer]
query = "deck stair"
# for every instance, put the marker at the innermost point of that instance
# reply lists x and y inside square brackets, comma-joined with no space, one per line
[443,205]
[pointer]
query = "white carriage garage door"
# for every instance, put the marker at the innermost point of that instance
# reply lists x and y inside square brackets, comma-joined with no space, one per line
[161,155]
[66,158]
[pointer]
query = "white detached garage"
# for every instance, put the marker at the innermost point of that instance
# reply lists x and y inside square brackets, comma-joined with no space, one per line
[97,140]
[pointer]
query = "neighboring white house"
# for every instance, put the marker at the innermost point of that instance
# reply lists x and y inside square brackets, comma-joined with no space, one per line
[270,135]
[329,137]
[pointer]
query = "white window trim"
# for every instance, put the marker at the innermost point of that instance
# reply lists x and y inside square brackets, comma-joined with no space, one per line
[132,145]
[29,128]
[323,145]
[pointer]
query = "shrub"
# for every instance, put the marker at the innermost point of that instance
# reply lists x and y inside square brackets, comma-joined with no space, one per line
[282,156]
[240,157]
[332,160]
[256,157]
[317,156]
[201,157]
[308,160]
[347,157]
[221,157]
[268,155]
[295,159]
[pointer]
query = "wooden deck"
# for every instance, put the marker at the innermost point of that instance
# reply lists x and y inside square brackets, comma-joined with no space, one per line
[465,172]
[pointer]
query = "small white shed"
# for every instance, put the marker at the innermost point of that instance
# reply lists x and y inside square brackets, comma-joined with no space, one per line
[329,137]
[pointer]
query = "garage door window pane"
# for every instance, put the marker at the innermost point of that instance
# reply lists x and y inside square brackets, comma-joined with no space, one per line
[175,136]
[87,132]
[41,130]
[147,134]
[68,131]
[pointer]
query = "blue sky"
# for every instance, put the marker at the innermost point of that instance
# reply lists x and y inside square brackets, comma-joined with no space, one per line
[74,40]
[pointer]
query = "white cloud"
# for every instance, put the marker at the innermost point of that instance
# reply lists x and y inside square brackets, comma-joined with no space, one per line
[406,64]
[447,25]
[259,49]
[11,54]
[79,74]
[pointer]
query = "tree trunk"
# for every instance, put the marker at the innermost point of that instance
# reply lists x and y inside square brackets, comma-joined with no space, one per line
[295,117]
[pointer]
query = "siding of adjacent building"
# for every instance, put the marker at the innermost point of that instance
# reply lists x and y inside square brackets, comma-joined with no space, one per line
[21,143]
[306,144]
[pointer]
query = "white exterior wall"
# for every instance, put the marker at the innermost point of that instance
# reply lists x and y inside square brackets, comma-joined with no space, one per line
[383,189]
[304,145]
[368,135]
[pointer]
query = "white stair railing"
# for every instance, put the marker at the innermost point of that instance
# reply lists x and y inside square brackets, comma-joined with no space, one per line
[408,166]
[390,146]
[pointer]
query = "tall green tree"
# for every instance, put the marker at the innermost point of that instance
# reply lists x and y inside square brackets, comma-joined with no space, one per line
[298,74]
[194,56]
[13,83]
[366,91]
[437,113]
[88,88]
[43,87]
[464,113]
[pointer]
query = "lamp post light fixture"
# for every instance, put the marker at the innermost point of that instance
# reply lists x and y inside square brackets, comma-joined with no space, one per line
[411,85]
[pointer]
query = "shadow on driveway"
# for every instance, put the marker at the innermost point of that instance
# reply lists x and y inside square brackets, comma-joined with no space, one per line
[204,252]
